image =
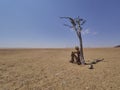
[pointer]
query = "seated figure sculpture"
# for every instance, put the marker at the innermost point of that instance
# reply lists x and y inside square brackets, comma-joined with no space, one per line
[76,56]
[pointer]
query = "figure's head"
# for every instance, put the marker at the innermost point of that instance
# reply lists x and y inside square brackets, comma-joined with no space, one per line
[76,48]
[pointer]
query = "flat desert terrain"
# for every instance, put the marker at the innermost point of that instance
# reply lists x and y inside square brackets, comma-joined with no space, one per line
[49,69]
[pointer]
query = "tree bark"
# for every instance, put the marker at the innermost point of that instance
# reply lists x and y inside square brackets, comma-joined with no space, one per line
[81,45]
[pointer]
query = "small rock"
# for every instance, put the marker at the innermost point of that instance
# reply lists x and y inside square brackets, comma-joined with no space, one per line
[91,66]
[87,88]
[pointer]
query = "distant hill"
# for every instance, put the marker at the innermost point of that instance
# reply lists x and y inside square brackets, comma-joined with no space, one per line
[118,46]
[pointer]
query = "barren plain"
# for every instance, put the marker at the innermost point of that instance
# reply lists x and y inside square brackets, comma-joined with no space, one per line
[49,69]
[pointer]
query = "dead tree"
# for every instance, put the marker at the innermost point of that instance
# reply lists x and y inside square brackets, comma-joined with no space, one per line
[76,25]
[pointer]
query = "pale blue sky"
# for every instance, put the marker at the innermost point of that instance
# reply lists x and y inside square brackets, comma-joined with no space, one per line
[36,23]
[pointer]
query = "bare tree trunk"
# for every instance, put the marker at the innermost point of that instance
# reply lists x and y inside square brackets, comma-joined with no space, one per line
[81,46]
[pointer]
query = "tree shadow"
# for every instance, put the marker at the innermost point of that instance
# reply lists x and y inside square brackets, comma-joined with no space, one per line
[95,61]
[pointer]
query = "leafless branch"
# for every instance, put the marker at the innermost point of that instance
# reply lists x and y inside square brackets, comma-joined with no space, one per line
[71,20]
[68,25]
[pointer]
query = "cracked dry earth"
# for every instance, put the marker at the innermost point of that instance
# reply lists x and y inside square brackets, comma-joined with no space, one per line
[49,69]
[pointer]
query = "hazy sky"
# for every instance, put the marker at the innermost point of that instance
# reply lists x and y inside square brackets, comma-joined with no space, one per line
[36,23]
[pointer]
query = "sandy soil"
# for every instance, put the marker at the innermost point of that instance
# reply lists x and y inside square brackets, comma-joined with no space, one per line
[49,69]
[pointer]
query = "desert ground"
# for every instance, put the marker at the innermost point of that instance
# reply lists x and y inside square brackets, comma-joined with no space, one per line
[49,69]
